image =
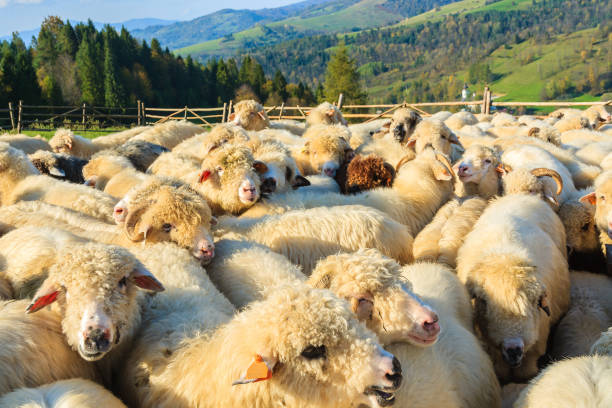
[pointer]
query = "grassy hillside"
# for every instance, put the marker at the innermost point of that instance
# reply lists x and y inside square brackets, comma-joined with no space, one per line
[333,17]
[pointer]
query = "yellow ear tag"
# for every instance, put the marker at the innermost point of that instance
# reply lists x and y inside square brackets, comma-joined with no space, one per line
[258,370]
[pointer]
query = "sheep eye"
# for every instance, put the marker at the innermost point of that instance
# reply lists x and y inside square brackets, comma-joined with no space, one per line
[586,226]
[312,352]
[123,283]
[167,227]
[602,198]
[219,170]
[488,161]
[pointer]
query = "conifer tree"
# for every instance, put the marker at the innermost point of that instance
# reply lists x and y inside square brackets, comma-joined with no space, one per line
[342,77]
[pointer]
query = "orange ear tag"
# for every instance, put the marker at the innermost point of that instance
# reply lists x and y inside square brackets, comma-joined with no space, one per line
[258,371]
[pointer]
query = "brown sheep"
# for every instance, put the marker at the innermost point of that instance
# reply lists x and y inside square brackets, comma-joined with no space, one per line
[364,173]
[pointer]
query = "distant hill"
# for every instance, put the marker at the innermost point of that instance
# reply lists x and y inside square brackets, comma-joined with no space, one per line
[226,22]
[334,16]
[130,25]
[526,49]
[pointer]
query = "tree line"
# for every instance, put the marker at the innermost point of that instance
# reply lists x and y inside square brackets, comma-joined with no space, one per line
[69,64]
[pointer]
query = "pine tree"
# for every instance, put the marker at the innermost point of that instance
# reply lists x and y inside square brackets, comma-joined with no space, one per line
[342,77]
[91,81]
[279,84]
[113,91]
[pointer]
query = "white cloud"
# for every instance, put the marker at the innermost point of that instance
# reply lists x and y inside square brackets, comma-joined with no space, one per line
[4,3]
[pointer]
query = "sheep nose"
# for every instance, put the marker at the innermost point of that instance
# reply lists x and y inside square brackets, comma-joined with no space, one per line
[395,375]
[98,340]
[268,185]
[329,172]
[512,351]
[463,169]
[431,325]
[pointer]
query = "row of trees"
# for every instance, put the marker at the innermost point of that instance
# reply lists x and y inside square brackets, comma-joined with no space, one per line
[73,64]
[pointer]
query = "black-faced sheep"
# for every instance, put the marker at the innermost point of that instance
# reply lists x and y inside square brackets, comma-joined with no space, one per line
[59,166]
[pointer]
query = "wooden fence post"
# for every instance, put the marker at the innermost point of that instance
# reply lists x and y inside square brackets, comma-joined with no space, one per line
[224,111]
[229,109]
[489,99]
[19,124]
[83,115]
[11,115]
[185,116]
[138,112]
[282,108]
[143,111]
[483,108]
[340,100]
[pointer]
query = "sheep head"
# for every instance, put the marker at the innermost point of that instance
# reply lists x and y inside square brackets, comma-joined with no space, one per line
[100,169]
[371,283]
[579,221]
[63,141]
[308,339]
[403,123]
[229,179]
[327,148]
[325,114]
[601,199]
[366,173]
[47,163]
[434,133]
[222,134]
[95,286]
[512,310]
[282,171]
[250,115]
[546,183]
[177,215]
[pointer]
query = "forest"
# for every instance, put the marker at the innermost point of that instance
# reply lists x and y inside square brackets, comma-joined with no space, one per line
[77,64]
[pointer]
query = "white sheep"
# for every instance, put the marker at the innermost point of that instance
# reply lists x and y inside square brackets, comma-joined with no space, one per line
[513,262]
[589,314]
[75,392]
[440,240]
[478,172]
[65,141]
[577,382]
[26,143]
[169,134]
[460,119]
[412,204]
[21,181]
[325,114]
[310,332]
[305,236]
[115,175]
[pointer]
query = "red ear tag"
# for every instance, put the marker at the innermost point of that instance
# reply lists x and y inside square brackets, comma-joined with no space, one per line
[41,302]
[204,176]
[257,371]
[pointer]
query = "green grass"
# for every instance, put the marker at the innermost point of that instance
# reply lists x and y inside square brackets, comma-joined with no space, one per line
[48,133]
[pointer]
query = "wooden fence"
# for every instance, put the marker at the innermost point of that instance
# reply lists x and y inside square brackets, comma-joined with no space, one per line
[35,117]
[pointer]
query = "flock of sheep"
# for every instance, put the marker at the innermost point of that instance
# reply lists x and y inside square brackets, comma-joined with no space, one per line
[456,260]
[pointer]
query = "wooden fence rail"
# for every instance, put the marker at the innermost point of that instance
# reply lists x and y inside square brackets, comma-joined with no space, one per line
[39,117]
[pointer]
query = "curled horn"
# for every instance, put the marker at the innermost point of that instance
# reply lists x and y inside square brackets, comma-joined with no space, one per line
[444,160]
[403,161]
[130,223]
[540,172]
[533,132]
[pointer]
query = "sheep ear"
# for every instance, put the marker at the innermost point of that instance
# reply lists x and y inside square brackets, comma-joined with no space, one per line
[260,167]
[260,369]
[330,113]
[204,175]
[362,305]
[589,198]
[543,304]
[454,139]
[349,154]
[43,297]
[145,279]
[411,142]
[502,169]
[54,171]
[300,181]
[232,117]
[386,125]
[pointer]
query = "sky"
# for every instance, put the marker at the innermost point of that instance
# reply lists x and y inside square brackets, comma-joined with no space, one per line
[21,15]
